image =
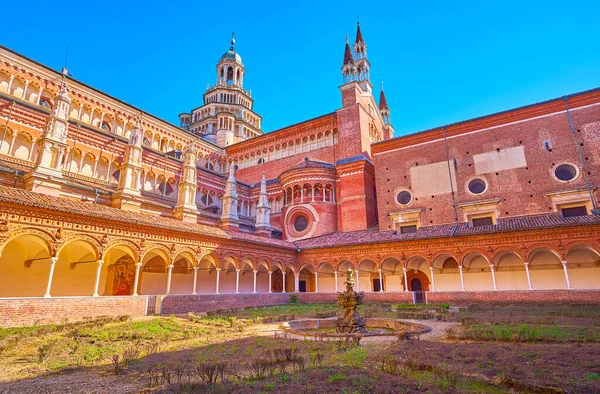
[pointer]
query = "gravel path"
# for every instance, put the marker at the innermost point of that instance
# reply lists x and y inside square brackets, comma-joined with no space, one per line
[438,328]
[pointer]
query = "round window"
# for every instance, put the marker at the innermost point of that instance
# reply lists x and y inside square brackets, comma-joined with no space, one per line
[404,197]
[300,223]
[565,172]
[477,186]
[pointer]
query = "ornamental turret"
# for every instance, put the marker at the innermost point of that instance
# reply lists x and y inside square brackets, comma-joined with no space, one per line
[128,192]
[186,209]
[47,176]
[263,210]
[348,67]
[363,67]
[384,109]
[229,214]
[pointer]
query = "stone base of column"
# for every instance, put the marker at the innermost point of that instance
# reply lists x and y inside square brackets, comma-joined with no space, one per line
[185,213]
[45,181]
[263,232]
[126,200]
[230,225]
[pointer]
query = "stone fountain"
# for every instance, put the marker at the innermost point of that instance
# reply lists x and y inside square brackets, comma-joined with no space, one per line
[351,321]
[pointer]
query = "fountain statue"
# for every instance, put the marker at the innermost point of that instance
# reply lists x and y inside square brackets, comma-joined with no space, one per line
[350,321]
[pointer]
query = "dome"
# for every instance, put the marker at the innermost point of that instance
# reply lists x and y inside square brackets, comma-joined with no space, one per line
[231,54]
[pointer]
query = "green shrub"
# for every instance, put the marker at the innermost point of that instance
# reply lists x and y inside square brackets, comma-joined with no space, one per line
[293,299]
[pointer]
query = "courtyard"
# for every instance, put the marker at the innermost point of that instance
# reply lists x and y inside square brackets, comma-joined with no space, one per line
[478,349]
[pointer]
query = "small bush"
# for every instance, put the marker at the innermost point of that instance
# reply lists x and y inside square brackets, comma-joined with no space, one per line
[293,299]
[44,351]
[121,361]
[338,377]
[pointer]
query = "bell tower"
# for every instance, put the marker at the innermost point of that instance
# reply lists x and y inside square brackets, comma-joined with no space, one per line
[227,115]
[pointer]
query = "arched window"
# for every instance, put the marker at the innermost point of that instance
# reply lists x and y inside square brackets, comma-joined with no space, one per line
[44,102]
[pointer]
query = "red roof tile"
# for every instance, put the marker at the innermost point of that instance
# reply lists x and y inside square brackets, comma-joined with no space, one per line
[58,204]
[538,222]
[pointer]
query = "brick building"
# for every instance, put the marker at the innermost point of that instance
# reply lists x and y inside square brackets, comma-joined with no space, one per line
[99,198]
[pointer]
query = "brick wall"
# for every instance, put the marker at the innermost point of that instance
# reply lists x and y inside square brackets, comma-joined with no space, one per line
[176,304]
[179,304]
[464,298]
[520,191]
[15,312]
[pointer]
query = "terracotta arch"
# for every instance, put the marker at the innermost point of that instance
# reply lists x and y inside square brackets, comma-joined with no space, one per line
[92,241]
[464,254]
[156,246]
[531,251]
[45,236]
[506,249]
[442,253]
[133,248]
[572,245]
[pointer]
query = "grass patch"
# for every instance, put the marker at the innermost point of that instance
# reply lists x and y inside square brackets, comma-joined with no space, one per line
[529,333]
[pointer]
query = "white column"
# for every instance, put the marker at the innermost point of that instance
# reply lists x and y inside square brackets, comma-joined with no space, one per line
[10,81]
[270,282]
[462,280]
[98,270]
[196,267]
[405,279]
[50,275]
[296,283]
[336,281]
[526,264]
[39,96]
[316,282]
[432,278]
[169,279]
[493,276]
[255,273]
[25,90]
[218,276]
[283,275]
[237,281]
[357,282]
[564,264]
[137,276]
[380,281]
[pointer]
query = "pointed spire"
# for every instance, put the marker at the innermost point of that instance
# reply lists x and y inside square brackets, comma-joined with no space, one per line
[348,58]
[382,100]
[263,211]
[232,42]
[263,184]
[359,37]
[231,173]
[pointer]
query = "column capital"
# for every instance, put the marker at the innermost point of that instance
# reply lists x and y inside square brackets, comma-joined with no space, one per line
[171,266]
[196,268]
[218,269]
[525,263]
[492,266]
[255,271]
[297,275]
[430,268]
[237,269]
[564,262]
[54,260]
[270,272]
[138,265]
[404,269]
[379,270]
[100,262]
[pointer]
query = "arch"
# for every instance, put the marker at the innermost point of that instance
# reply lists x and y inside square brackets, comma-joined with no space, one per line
[151,248]
[583,262]
[25,263]
[75,270]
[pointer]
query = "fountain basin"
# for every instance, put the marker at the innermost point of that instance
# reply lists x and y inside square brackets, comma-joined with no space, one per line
[326,329]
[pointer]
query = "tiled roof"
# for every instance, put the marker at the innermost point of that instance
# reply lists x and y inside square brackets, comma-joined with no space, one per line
[59,204]
[359,37]
[382,100]
[348,59]
[371,236]
[353,159]
[307,163]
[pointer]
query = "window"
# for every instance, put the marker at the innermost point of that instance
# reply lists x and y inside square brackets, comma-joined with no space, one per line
[300,223]
[477,186]
[408,229]
[45,103]
[484,221]
[207,200]
[566,172]
[404,197]
[574,211]
[105,126]
[261,160]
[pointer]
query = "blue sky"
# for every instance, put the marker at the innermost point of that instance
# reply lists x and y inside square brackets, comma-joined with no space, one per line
[442,62]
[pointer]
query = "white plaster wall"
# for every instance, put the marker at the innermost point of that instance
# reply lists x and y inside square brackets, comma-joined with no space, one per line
[153,283]
[182,283]
[477,281]
[447,282]
[584,278]
[18,281]
[393,282]
[207,282]
[78,281]
[512,280]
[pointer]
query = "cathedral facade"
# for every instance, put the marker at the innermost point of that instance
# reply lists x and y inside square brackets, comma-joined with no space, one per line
[100,199]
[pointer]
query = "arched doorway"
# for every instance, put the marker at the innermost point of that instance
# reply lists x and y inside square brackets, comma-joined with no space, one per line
[415,285]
